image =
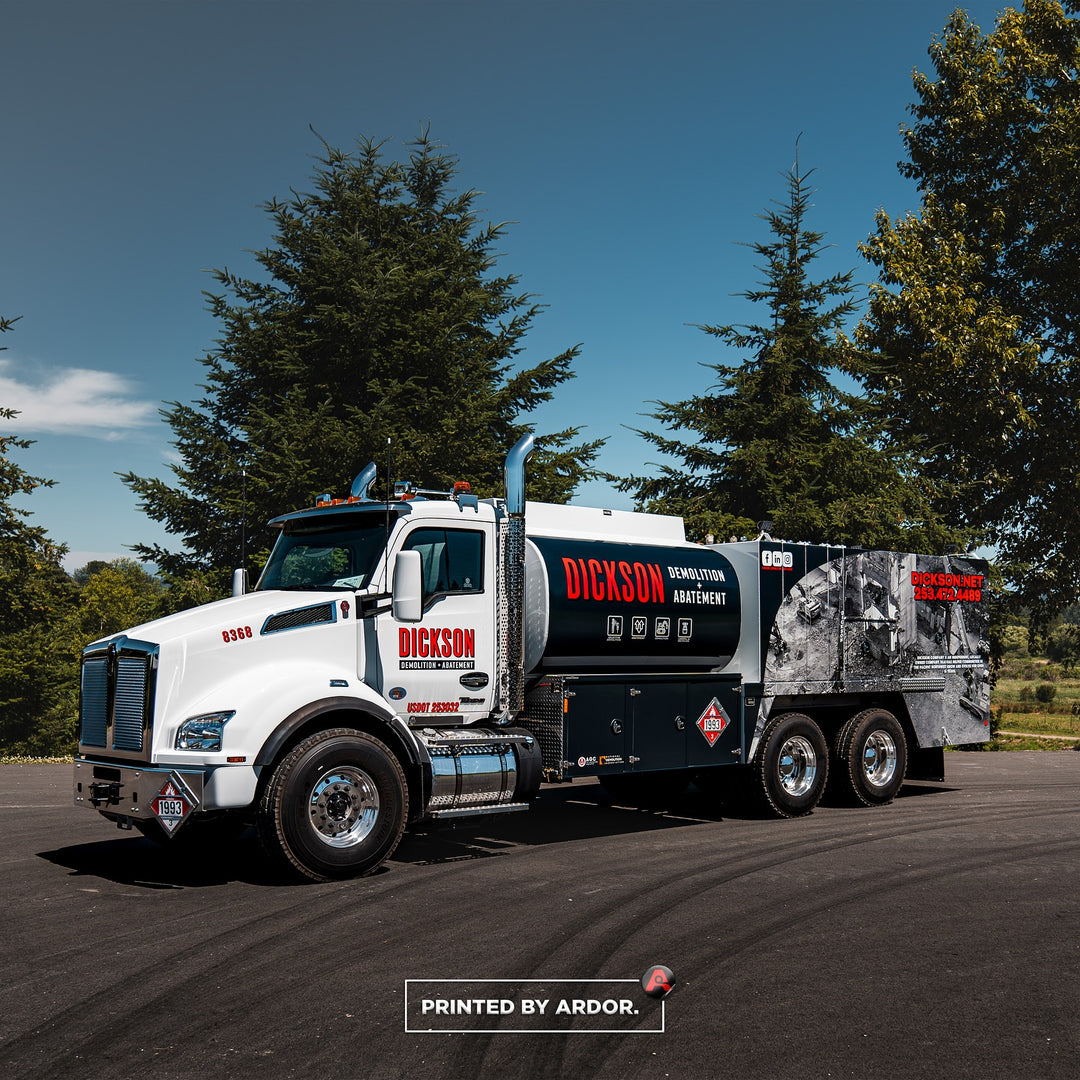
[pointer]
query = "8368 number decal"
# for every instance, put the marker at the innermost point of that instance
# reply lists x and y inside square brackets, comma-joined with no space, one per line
[237,634]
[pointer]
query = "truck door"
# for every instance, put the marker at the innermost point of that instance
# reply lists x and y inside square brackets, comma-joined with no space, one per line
[658,730]
[683,722]
[442,669]
[714,721]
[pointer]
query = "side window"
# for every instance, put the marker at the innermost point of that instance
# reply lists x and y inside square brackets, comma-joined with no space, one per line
[453,560]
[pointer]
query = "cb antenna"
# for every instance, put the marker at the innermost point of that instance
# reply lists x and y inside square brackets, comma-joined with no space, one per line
[243,518]
[386,543]
[239,580]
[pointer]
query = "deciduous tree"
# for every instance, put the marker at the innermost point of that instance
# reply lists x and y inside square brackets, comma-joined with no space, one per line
[35,594]
[114,596]
[974,325]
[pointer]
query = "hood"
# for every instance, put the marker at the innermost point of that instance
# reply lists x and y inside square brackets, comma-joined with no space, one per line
[252,609]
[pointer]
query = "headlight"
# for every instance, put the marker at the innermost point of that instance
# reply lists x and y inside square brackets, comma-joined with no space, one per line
[203,732]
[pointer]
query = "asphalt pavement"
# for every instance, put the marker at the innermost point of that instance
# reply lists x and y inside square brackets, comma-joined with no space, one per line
[936,937]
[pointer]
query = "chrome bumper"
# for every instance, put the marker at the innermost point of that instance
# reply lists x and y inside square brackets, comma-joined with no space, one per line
[124,791]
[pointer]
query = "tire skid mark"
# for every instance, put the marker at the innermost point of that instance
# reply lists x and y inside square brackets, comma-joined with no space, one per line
[630,927]
[756,860]
[104,1006]
[128,1005]
[336,900]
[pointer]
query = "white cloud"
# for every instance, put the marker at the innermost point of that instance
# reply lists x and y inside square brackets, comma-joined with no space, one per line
[74,401]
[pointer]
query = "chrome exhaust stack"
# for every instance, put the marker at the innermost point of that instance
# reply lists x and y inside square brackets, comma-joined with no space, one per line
[514,479]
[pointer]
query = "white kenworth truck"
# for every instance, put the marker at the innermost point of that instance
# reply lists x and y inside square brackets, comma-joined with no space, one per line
[439,657]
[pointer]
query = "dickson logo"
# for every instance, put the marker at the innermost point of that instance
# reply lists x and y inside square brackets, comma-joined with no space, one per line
[614,581]
[443,641]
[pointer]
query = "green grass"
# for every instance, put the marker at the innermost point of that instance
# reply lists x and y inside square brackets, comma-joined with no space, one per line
[1015,710]
[1006,740]
[19,759]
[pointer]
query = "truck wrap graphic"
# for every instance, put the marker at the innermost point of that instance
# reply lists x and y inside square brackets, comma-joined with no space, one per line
[886,622]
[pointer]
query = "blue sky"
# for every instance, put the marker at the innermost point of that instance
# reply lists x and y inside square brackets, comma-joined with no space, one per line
[633,143]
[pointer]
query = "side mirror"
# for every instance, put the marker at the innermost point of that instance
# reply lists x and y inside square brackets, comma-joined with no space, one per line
[408,587]
[239,582]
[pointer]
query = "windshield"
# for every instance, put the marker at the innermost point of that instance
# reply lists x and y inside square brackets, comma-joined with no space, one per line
[318,555]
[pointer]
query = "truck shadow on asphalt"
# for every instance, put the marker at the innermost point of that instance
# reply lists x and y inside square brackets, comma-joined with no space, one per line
[561,813]
[585,811]
[570,812]
[131,859]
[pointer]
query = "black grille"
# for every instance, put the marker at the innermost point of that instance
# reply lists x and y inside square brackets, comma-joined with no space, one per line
[298,617]
[116,702]
[95,700]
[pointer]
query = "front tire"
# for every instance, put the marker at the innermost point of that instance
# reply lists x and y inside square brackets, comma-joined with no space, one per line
[871,757]
[792,765]
[335,806]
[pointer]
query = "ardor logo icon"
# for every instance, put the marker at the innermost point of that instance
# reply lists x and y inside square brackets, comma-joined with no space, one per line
[658,981]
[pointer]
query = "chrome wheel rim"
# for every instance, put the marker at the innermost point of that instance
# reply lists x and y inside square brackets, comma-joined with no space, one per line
[879,759]
[797,765]
[344,805]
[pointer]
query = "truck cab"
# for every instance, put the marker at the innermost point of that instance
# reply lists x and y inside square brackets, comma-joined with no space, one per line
[367,653]
[435,660]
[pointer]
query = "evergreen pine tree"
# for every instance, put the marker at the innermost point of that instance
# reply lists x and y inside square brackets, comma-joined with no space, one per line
[378,319]
[775,439]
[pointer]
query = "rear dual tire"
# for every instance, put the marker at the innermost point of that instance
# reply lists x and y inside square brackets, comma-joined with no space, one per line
[792,765]
[870,758]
